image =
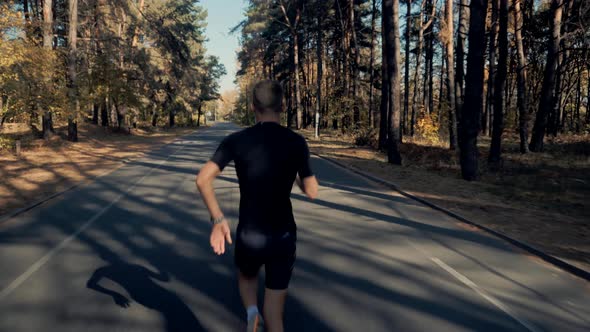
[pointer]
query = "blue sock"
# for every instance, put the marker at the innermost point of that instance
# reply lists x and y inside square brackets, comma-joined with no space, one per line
[252,311]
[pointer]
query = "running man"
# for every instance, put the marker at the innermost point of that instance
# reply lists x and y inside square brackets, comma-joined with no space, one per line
[268,159]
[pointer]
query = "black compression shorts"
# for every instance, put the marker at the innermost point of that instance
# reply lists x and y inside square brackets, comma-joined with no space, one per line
[275,252]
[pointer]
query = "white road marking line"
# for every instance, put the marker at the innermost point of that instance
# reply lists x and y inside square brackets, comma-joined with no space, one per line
[484,294]
[38,264]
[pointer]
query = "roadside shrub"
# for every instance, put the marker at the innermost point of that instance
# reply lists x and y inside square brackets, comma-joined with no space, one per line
[6,143]
[427,128]
[365,137]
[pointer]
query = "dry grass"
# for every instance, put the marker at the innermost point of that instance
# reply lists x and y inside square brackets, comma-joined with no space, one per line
[46,167]
[541,199]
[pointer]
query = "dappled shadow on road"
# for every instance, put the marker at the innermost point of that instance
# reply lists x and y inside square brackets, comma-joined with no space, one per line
[536,198]
[162,226]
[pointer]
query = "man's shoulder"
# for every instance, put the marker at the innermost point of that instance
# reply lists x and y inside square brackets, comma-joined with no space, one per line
[237,134]
[294,135]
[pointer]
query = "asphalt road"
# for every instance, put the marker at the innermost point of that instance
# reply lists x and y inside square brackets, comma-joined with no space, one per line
[130,252]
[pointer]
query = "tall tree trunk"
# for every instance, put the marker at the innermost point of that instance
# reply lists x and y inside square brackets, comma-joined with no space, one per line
[47,125]
[415,96]
[500,84]
[119,115]
[384,107]
[92,32]
[169,105]
[372,65]
[136,30]
[420,45]
[304,63]
[3,110]
[320,74]
[73,43]
[28,30]
[407,66]
[523,101]
[355,65]
[580,96]
[199,112]
[430,77]
[295,37]
[392,42]
[450,74]
[546,100]
[48,24]
[154,115]
[345,76]
[442,83]
[298,106]
[510,84]
[171,118]
[104,113]
[429,60]
[95,110]
[489,111]
[26,10]
[289,95]
[460,54]
[554,112]
[470,118]
[559,101]
[588,93]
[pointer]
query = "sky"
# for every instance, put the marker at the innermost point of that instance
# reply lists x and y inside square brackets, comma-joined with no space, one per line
[224,15]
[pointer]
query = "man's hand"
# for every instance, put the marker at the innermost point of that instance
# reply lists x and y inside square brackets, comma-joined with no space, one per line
[121,300]
[219,234]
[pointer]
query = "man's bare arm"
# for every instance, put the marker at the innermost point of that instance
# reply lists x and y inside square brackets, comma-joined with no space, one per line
[204,182]
[220,232]
[309,186]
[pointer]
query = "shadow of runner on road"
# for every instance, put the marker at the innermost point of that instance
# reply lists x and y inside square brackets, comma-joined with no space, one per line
[139,283]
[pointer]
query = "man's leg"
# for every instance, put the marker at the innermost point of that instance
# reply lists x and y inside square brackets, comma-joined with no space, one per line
[274,305]
[278,274]
[248,286]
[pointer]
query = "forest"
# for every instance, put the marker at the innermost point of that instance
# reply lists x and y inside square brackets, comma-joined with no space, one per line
[450,72]
[458,74]
[116,64]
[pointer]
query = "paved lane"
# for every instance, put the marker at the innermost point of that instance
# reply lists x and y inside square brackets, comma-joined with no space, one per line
[368,259]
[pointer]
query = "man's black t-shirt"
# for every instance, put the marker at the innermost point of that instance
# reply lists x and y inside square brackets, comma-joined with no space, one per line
[267,158]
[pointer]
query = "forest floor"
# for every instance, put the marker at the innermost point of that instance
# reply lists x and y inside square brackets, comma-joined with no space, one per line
[47,167]
[540,199]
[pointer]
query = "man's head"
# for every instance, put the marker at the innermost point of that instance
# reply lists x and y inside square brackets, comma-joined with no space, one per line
[267,97]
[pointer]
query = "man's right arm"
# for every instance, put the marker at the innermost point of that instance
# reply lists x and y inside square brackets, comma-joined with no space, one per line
[309,186]
[220,231]
[305,178]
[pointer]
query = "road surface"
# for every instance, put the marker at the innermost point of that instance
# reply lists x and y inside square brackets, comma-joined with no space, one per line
[130,252]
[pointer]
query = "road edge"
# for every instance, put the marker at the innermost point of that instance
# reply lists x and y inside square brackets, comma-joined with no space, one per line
[14,213]
[563,265]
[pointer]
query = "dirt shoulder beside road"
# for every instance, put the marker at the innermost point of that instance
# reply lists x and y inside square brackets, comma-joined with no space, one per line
[540,204]
[48,167]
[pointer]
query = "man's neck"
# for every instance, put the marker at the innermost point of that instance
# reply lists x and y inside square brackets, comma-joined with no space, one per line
[268,118]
